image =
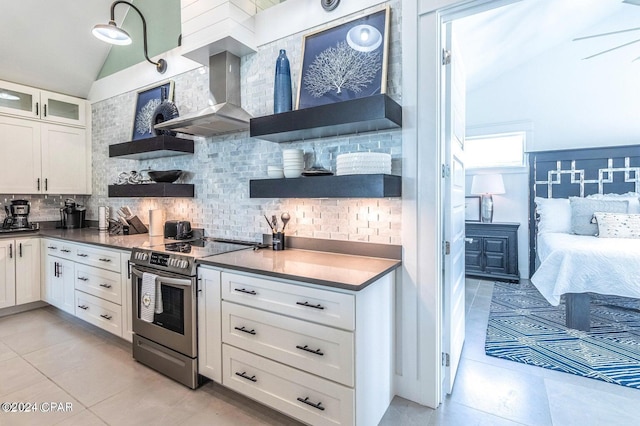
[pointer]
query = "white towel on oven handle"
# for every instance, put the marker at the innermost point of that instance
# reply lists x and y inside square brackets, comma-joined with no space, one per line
[150,303]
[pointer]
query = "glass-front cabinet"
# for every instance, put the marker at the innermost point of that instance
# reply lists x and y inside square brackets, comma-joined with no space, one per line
[34,103]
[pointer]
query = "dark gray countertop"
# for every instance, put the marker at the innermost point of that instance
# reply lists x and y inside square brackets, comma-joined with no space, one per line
[316,267]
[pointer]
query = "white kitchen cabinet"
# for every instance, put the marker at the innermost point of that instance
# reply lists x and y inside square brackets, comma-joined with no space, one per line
[59,283]
[19,271]
[65,166]
[29,102]
[319,354]
[209,328]
[43,158]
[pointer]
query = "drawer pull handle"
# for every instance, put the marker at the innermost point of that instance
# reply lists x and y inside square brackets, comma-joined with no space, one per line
[306,348]
[83,307]
[244,376]
[309,305]
[52,247]
[242,290]
[306,401]
[105,285]
[104,259]
[63,250]
[83,278]
[244,330]
[107,317]
[82,255]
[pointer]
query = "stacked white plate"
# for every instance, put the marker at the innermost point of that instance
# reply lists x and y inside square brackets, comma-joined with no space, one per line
[292,162]
[363,163]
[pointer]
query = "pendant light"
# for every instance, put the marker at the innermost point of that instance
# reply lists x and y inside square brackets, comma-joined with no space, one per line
[111,33]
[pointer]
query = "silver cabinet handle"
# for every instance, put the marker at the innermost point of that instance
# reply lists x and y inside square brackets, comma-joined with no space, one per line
[107,317]
[306,401]
[64,250]
[82,255]
[103,259]
[83,278]
[105,285]
[244,375]
[52,247]
[468,240]
[83,307]
[309,305]
[244,330]
[307,349]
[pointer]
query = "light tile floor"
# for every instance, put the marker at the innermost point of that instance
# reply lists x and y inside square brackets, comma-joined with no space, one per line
[49,356]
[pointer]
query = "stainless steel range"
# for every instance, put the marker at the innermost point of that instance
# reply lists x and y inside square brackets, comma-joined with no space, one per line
[164,286]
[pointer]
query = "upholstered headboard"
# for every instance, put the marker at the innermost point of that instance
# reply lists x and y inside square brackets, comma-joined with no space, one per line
[578,173]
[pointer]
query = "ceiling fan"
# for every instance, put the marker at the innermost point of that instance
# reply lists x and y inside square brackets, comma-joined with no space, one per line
[633,2]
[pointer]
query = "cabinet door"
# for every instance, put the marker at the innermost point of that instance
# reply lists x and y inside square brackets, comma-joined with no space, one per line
[19,100]
[473,254]
[27,270]
[59,284]
[63,109]
[127,307]
[7,274]
[495,251]
[20,154]
[209,329]
[64,160]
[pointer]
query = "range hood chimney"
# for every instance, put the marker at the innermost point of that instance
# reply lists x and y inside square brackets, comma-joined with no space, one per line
[224,115]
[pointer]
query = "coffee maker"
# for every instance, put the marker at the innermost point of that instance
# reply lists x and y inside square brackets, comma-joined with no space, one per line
[72,215]
[17,215]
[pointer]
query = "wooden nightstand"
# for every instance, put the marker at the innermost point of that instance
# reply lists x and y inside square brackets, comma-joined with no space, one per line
[491,250]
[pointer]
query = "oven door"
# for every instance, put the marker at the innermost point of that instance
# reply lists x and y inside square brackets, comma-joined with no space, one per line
[175,327]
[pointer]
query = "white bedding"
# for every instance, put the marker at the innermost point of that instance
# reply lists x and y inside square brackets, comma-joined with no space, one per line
[578,264]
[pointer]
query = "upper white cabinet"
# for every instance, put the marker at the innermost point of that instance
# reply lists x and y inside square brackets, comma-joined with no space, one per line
[39,104]
[44,142]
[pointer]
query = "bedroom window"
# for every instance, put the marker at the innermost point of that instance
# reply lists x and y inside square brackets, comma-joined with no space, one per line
[497,150]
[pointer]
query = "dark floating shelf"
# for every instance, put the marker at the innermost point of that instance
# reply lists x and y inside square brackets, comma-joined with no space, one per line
[155,147]
[349,186]
[377,112]
[152,190]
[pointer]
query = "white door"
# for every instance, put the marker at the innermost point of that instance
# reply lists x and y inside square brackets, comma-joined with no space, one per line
[453,208]
[7,274]
[209,318]
[64,160]
[20,154]
[27,270]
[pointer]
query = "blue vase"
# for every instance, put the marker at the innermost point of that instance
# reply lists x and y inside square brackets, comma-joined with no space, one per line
[282,87]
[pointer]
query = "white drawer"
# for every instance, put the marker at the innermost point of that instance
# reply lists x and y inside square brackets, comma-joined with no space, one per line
[318,349]
[311,304]
[99,282]
[59,248]
[99,257]
[304,396]
[100,313]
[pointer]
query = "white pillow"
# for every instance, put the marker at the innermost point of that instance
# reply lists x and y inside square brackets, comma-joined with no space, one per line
[618,225]
[632,197]
[583,210]
[555,215]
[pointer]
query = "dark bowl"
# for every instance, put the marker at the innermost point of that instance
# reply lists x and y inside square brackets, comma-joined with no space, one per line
[168,176]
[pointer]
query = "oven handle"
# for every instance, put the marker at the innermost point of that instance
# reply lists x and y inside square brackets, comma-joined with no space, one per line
[165,280]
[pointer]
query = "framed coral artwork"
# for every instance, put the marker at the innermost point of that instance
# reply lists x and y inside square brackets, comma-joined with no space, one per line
[346,61]
[147,101]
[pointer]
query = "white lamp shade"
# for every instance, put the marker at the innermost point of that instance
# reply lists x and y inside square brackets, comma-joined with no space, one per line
[111,34]
[487,184]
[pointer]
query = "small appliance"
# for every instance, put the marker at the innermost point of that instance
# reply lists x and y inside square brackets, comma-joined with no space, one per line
[17,215]
[178,229]
[72,215]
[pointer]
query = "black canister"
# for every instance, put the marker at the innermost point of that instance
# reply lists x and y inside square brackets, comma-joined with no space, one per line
[277,240]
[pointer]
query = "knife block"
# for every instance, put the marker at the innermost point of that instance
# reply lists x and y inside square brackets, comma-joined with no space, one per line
[136,226]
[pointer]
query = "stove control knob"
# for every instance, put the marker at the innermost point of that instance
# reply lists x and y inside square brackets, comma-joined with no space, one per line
[184,264]
[172,262]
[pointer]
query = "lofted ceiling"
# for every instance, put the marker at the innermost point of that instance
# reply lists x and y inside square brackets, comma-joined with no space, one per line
[48,44]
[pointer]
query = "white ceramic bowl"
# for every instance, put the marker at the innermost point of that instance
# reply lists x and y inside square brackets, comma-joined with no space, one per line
[292,173]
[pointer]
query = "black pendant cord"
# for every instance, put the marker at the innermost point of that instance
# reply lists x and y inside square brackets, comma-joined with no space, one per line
[161,65]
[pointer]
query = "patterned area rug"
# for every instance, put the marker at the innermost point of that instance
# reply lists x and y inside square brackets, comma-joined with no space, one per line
[524,327]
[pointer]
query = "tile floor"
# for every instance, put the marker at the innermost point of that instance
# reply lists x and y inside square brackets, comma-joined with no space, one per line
[49,356]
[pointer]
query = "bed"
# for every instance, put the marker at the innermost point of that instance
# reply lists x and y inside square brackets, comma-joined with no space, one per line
[563,185]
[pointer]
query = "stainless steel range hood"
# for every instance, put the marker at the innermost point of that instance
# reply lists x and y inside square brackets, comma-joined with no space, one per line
[224,115]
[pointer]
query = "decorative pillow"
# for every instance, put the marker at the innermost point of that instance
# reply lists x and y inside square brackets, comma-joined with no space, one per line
[582,210]
[618,225]
[555,215]
[632,197]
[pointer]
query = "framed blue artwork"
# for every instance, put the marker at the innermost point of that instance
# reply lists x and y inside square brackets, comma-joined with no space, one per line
[346,61]
[147,101]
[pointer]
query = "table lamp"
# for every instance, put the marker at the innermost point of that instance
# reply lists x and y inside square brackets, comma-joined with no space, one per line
[486,186]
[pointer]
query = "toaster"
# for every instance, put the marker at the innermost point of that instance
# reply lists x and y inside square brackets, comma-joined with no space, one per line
[177,229]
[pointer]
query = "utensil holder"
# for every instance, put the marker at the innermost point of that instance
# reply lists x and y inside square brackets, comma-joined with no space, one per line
[277,240]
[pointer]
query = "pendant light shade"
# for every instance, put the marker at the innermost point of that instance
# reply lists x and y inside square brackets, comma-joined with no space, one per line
[111,33]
